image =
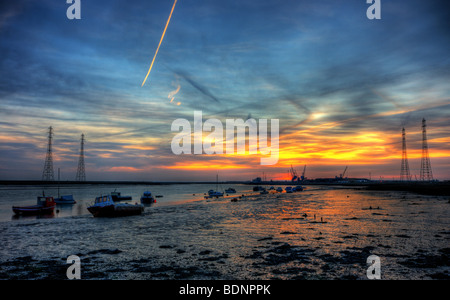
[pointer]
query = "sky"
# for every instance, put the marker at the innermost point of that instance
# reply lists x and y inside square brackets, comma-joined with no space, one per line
[342,86]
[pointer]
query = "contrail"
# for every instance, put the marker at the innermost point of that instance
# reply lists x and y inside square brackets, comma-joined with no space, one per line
[196,85]
[162,37]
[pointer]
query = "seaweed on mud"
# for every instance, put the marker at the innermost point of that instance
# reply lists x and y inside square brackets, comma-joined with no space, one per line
[282,254]
[350,256]
[33,269]
[105,251]
[214,258]
[428,260]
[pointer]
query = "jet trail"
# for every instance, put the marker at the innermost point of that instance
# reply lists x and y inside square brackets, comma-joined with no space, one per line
[162,37]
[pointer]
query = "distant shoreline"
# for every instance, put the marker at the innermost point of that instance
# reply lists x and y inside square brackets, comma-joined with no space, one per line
[440,188]
[54,183]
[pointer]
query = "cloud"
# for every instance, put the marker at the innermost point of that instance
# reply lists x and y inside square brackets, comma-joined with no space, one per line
[325,71]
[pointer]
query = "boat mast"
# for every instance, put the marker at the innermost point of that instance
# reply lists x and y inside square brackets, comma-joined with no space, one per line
[58,181]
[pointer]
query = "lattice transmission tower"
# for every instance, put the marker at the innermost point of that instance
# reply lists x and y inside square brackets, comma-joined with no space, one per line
[47,174]
[405,175]
[81,173]
[426,173]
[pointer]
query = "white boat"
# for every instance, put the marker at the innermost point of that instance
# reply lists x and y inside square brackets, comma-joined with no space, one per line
[104,206]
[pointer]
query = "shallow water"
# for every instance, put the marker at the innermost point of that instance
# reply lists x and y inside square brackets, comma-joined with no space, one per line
[320,233]
[85,195]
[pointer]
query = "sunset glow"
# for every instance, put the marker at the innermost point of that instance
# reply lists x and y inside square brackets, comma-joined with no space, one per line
[341,99]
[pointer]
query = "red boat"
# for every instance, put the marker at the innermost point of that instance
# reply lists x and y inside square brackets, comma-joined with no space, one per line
[44,206]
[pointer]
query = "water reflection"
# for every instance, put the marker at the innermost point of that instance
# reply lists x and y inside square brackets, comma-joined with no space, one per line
[33,217]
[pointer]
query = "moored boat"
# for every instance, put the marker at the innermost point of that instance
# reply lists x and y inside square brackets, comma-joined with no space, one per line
[104,206]
[147,198]
[258,188]
[67,199]
[117,196]
[44,206]
[212,193]
[230,191]
[215,193]
[298,188]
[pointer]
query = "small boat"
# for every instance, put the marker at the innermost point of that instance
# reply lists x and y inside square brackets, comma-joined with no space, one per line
[67,199]
[279,190]
[104,206]
[44,206]
[116,196]
[147,198]
[288,189]
[263,192]
[298,188]
[212,193]
[258,188]
[215,193]
[230,191]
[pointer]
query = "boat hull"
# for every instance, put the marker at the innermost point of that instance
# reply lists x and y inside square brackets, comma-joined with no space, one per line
[112,211]
[65,200]
[146,200]
[121,198]
[33,210]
